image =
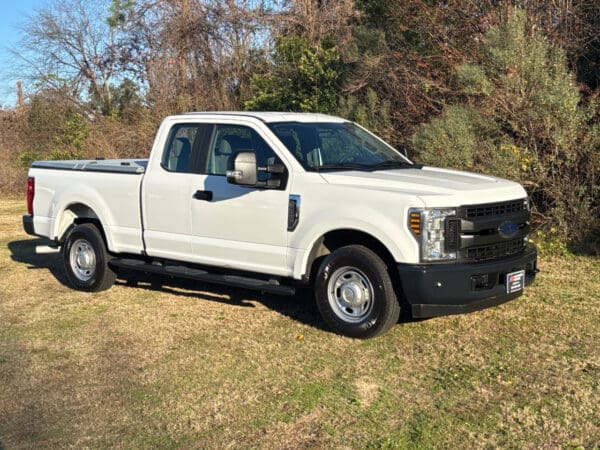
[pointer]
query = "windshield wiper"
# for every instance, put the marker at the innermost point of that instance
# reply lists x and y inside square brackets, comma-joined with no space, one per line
[342,166]
[390,164]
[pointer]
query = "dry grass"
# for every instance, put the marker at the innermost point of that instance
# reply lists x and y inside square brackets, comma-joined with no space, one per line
[164,363]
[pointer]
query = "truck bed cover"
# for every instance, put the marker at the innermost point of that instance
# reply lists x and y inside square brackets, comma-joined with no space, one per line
[126,166]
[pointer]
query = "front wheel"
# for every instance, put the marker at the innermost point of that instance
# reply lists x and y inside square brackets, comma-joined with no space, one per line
[86,259]
[355,294]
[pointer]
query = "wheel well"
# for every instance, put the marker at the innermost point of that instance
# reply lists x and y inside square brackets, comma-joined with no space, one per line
[335,239]
[77,214]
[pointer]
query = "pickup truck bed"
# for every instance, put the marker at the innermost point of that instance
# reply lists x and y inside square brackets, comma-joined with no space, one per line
[104,189]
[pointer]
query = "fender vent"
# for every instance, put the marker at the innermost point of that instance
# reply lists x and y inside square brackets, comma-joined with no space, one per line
[293,212]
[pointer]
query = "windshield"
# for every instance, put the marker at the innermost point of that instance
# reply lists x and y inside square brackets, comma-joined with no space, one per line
[336,146]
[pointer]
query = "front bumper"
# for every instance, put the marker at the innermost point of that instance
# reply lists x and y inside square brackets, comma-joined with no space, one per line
[443,289]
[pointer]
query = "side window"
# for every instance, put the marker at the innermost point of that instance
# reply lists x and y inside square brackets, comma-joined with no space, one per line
[231,139]
[182,144]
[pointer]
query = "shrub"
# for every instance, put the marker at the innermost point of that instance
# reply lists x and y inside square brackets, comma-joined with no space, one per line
[460,138]
[302,77]
[525,120]
[26,158]
[371,112]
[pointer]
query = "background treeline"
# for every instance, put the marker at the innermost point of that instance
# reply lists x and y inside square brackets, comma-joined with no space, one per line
[503,87]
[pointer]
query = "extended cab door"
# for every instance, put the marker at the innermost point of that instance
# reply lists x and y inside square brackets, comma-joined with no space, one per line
[234,226]
[168,189]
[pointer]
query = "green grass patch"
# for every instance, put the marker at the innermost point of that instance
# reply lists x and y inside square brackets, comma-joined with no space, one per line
[167,364]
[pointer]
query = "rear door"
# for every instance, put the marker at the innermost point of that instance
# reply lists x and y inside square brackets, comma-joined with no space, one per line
[168,190]
[234,226]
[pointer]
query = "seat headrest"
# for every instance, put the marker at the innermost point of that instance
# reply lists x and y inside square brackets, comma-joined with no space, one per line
[181,146]
[289,142]
[224,147]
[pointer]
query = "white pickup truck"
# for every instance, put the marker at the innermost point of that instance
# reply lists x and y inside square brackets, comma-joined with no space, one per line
[274,201]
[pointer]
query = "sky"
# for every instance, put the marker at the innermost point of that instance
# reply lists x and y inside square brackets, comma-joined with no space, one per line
[12,12]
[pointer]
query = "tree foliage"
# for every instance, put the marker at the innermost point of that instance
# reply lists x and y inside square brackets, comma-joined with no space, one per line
[509,88]
[303,77]
[527,113]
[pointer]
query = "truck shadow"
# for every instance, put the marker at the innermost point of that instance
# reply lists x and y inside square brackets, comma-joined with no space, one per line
[301,307]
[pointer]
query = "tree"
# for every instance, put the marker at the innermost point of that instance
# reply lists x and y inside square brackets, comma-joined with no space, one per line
[195,54]
[303,77]
[68,42]
[519,113]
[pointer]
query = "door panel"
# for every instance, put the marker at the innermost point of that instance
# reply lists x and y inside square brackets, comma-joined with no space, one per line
[167,222]
[240,227]
[168,189]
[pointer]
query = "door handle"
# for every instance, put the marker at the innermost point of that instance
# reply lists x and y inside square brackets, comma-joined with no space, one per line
[203,195]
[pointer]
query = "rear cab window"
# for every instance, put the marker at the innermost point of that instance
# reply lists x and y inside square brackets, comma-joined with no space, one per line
[182,153]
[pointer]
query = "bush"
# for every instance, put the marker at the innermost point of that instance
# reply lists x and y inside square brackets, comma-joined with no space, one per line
[460,138]
[519,114]
[26,158]
[302,77]
[371,112]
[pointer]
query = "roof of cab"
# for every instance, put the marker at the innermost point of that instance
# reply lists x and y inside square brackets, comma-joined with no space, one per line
[269,117]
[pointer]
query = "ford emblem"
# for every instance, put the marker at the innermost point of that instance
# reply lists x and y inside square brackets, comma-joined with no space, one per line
[508,229]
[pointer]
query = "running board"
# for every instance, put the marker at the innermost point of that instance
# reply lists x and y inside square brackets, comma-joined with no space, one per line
[272,287]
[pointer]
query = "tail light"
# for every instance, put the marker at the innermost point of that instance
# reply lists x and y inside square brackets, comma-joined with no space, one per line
[30,194]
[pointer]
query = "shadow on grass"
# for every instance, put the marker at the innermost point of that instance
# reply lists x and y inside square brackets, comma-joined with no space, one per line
[301,307]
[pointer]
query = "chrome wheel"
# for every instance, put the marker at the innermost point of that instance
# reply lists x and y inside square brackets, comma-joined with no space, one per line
[82,259]
[350,294]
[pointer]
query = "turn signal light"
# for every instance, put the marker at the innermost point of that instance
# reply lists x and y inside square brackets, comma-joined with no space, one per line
[414,222]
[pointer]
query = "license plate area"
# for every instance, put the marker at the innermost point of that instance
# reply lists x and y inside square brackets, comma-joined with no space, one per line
[515,281]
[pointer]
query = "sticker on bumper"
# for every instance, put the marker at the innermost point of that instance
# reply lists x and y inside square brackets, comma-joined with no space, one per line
[515,281]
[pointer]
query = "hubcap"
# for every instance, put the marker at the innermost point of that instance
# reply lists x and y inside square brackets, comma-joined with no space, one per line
[82,260]
[350,294]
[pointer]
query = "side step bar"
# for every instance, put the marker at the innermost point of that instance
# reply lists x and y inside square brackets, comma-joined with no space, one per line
[272,287]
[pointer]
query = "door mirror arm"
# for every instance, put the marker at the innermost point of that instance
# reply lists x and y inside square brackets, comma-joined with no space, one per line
[273,168]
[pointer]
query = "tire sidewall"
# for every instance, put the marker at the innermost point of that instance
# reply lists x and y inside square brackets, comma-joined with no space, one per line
[90,234]
[346,257]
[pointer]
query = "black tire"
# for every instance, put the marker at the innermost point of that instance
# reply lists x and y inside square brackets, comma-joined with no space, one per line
[355,293]
[86,259]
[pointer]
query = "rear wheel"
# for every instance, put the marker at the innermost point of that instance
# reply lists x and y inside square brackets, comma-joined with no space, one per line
[86,259]
[355,294]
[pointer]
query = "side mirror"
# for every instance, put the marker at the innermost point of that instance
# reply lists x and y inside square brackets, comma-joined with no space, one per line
[244,170]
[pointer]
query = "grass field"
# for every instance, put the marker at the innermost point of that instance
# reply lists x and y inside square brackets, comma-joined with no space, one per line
[163,363]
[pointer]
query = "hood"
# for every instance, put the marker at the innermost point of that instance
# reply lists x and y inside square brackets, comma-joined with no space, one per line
[434,186]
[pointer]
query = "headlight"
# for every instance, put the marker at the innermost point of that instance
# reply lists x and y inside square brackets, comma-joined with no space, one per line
[429,228]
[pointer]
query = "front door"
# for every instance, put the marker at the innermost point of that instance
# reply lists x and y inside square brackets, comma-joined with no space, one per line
[233,226]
